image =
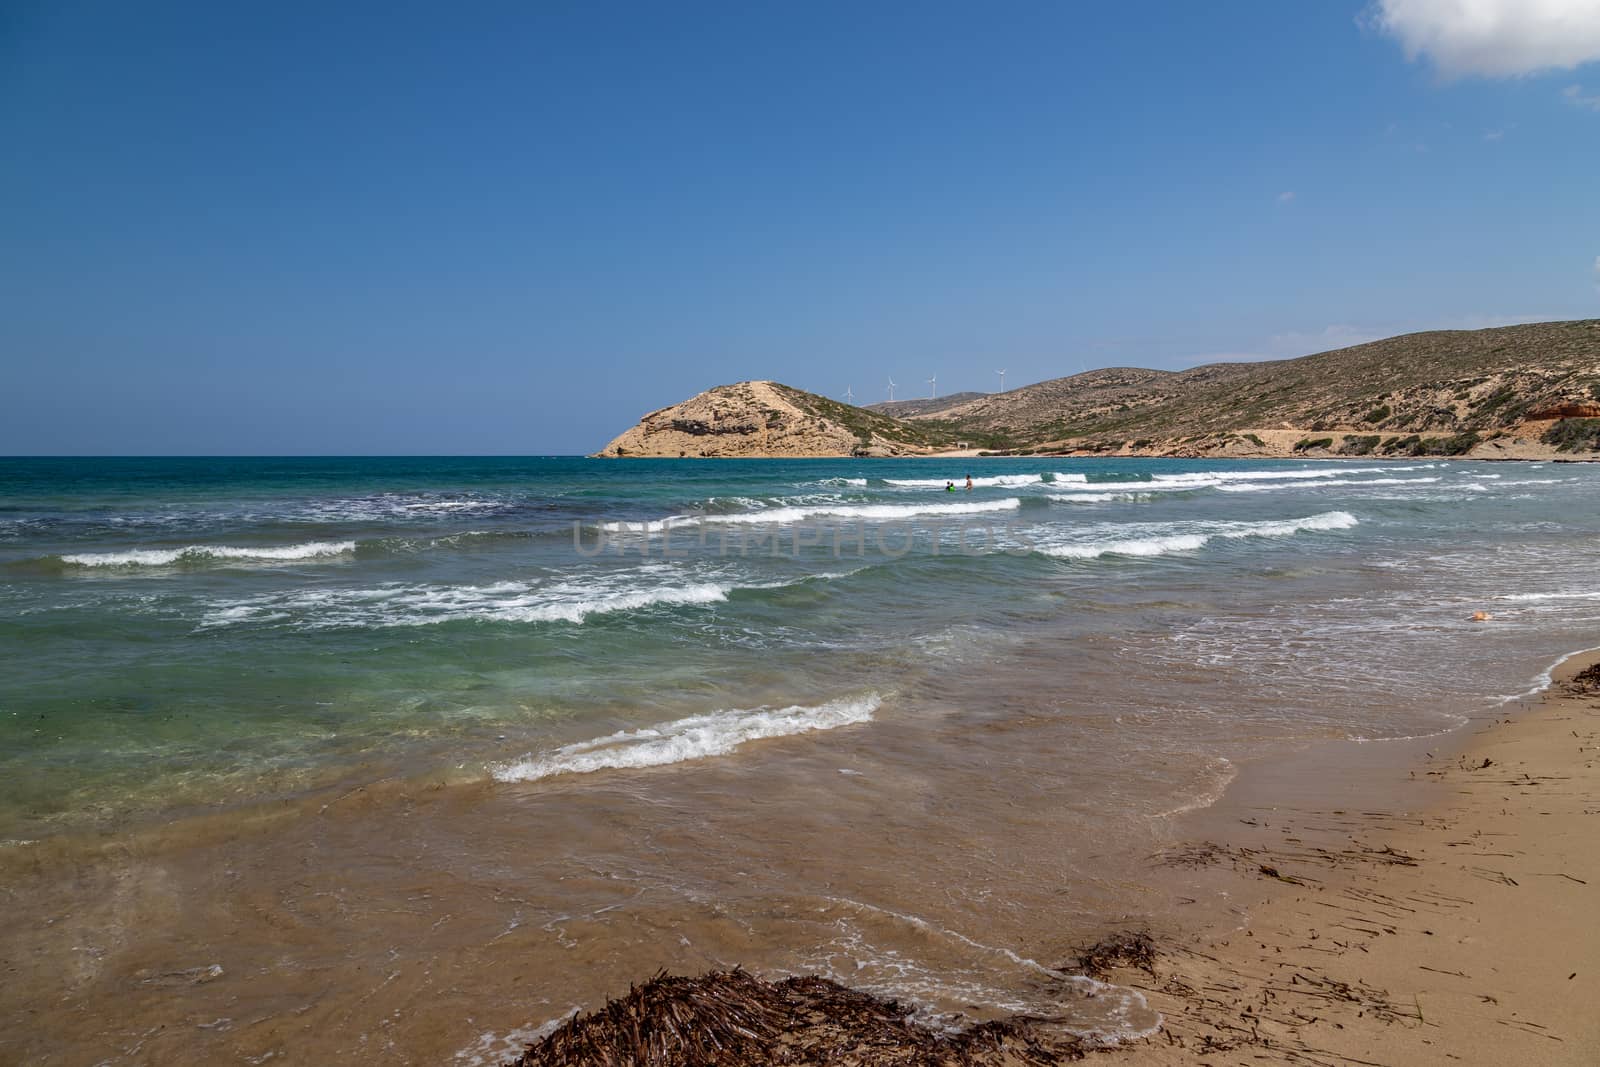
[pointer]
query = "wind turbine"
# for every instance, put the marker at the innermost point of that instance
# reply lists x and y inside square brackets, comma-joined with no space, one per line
[891,390]
[1002,380]
[934,384]
[849,394]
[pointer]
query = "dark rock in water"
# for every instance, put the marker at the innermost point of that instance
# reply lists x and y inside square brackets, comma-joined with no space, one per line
[733,1019]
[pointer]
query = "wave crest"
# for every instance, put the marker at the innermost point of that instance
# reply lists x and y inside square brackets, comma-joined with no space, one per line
[988,480]
[801,514]
[1194,539]
[194,554]
[422,605]
[696,737]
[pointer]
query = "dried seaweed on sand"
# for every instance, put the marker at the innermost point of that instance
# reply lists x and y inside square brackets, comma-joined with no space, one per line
[1125,949]
[1586,680]
[734,1019]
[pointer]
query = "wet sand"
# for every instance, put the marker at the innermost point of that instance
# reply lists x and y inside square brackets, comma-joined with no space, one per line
[1461,930]
[419,921]
[1436,906]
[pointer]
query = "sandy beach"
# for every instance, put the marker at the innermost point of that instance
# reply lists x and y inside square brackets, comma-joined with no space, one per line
[1463,932]
[1451,923]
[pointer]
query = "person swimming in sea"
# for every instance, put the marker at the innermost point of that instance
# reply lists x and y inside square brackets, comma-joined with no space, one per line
[949,487]
[969,483]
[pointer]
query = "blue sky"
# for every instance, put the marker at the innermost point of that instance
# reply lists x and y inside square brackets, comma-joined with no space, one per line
[513,228]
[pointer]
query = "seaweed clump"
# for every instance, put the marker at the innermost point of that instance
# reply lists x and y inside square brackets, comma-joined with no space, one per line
[734,1019]
[1132,948]
[1586,680]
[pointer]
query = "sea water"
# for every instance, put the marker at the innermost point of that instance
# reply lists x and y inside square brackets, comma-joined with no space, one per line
[807,715]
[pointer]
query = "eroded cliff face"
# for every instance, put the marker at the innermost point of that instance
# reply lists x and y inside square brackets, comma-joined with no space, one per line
[752,419]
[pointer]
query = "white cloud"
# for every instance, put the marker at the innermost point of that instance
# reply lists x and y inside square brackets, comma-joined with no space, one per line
[1493,38]
[1285,197]
[1576,94]
[1493,135]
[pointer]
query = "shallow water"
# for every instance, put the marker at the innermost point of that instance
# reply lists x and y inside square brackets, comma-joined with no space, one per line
[421,752]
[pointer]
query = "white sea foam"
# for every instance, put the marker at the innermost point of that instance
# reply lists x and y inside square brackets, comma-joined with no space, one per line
[991,979]
[1103,498]
[1265,487]
[1118,490]
[448,505]
[1133,546]
[1187,480]
[856,512]
[492,1049]
[1570,594]
[1221,772]
[1127,490]
[384,506]
[166,557]
[696,737]
[988,480]
[424,605]
[571,599]
[1251,481]
[1546,677]
[1188,537]
[1270,475]
[1452,724]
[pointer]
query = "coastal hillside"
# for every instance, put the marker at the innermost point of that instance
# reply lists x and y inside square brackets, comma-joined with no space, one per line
[758,418]
[1529,391]
[901,409]
[1454,392]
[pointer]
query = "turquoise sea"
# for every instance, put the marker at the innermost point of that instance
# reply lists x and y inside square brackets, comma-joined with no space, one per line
[701,711]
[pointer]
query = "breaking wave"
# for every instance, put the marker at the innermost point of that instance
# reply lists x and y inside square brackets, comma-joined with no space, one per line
[1253,481]
[1275,475]
[696,737]
[1575,594]
[415,605]
[801,514]
[567,600]
[199,554]
[1198,537]
[1004,480]
[1266,487]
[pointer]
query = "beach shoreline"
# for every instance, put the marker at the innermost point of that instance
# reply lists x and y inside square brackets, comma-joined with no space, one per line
[1436,907]
[1400,894]
[443,789]
[1457,932]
